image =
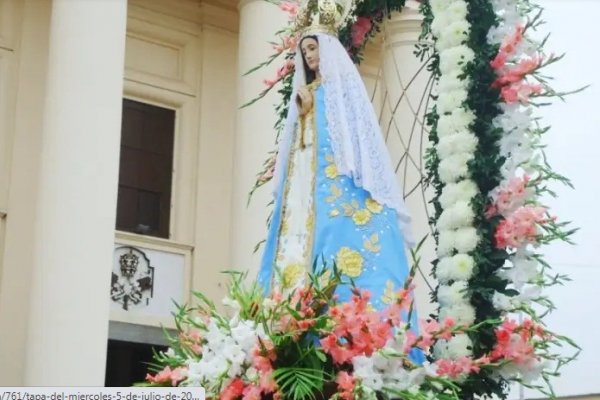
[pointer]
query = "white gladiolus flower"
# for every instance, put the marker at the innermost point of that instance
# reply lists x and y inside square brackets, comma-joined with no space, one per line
[528,372]
[450,100]
[462,314]
[463,191]
[466,240]
[459,215]
[502,302]
[453,168]
[455,58]
[523,271]
[460,142]
[229,302]
[452,294]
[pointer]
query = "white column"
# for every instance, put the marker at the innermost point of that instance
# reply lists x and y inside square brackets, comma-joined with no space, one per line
[255,136]
[73,238]
[404,106]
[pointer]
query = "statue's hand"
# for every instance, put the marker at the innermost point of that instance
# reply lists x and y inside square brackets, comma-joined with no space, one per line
[304,100]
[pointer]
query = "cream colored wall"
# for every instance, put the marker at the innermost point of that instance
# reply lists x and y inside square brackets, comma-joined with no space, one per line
[183,55]
[180,55]
[28,22]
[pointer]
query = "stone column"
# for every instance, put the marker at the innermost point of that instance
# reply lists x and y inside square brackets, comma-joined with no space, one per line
[405,100]
[74,233]
[255,135]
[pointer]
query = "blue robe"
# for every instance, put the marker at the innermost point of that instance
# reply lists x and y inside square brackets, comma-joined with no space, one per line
[361,236]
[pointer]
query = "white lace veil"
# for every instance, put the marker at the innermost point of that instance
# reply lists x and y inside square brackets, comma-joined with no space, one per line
[358,147]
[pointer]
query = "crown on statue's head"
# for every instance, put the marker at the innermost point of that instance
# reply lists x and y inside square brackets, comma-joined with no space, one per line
[322,16]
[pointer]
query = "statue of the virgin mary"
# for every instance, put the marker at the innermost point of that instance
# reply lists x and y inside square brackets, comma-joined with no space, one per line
[337,200]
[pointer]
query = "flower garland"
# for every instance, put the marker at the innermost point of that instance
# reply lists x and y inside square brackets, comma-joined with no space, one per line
[455,148]
[487,171]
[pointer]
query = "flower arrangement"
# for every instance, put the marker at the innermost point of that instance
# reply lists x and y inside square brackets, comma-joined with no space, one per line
[307,345]
[488,171]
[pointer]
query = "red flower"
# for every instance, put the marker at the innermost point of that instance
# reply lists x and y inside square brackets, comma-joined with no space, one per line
[361,27]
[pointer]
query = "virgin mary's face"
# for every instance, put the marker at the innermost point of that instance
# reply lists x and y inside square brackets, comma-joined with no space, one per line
[310,51]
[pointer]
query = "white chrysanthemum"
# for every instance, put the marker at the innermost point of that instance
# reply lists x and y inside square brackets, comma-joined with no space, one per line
[458,121]
[463,190]
[460,142]
[439,6]
[450,100]
[456,268]
[455,58]
[445,243]
[452,81]
[455,34]
[454,168]
[459,346]
[466,240]
[459,215]
[440,350]
[462,314]
[457,10]
[440,20]
[449,295]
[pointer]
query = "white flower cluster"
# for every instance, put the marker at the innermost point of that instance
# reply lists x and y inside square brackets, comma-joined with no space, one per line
[385,370]
[456,148]
[458,346]
[522,271]
[226,353]
[510,17]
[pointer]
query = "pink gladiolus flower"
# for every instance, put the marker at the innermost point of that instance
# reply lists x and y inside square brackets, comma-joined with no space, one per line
[456,368]
[167,375]
[289,7]
[517,74]
[266,382]
[500,61]
[269,82]
[346,382]
[252,392]
[358,330]
[509,197]
[510,43]
[290,42]
[520,92]
[234,390]
[361,27]
[520,228]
